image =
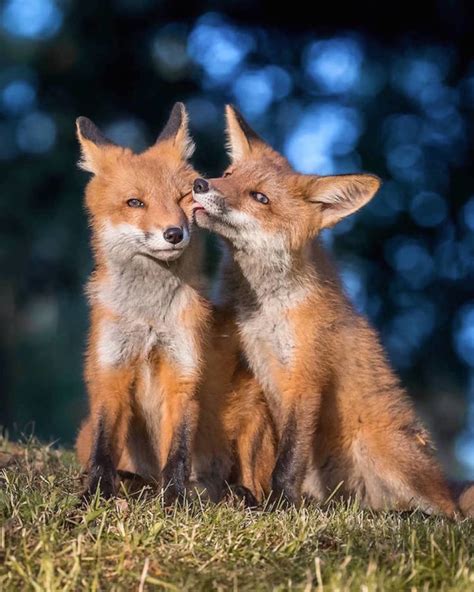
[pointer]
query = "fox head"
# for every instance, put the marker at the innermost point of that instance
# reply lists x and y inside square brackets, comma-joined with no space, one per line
[261,201]
[140,205]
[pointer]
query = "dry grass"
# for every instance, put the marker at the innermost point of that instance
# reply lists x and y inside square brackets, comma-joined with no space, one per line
[48,543]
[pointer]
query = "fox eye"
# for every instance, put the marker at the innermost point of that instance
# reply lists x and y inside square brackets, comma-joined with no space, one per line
[260,197]
[135,203]
[227,174]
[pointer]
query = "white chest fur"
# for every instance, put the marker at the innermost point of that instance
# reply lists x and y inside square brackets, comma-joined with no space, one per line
[148,300]
[267,295]
[267,340]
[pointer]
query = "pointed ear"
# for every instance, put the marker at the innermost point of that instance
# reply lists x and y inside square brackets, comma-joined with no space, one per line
[341,195]
[176,132]
[240,136]
[93,142]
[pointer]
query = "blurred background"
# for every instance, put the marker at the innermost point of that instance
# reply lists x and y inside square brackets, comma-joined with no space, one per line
[336,90]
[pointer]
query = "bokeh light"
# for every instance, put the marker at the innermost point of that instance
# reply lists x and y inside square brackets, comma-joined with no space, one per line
[218,48]
[323,132]
[36,133]
[411,259]
[428,209]
[333,65]
[31,19]
[18,96]
[464,334]
[128,132]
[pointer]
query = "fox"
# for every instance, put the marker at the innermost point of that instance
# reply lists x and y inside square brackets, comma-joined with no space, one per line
[154,409]
[148,317]
[344,423]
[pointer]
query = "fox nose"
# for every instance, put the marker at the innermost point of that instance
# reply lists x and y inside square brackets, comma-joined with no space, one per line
[200,186]
[173,234]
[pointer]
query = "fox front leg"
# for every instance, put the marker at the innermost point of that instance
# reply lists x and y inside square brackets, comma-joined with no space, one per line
[177,419]
[107,429]
[289,468]
[293,453]
[176,472]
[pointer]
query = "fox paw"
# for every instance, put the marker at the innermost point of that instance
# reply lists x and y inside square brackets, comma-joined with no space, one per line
[104,483]
[244,495]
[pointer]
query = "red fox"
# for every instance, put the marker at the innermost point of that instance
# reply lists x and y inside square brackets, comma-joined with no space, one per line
[148,318]
[343,420]
[149,326]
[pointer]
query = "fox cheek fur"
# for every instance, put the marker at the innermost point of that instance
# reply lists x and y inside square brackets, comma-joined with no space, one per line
[342,419]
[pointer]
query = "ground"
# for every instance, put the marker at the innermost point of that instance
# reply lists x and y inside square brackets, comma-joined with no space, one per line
[48,543]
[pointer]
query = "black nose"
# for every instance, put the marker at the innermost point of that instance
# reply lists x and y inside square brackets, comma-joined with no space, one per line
[200,186]
[173,234]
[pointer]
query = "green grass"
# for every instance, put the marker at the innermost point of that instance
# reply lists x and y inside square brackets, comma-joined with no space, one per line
[48,543]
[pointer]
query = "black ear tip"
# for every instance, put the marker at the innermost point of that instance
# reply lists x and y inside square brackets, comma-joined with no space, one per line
[248,131]
[89,131]
[87,127]
[174,123]
[83,122]
[232,110]
[178,111]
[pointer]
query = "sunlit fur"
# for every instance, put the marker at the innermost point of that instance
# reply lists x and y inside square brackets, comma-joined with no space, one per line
[152,332]
[148,318]
[343,420]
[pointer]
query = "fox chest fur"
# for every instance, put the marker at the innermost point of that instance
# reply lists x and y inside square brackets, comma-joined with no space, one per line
[147,301]
[267,338]
[264,314]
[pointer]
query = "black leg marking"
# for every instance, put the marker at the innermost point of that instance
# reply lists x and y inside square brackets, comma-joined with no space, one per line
[244,495]
[285,479]
[177,469]
[327,464]
[102,473]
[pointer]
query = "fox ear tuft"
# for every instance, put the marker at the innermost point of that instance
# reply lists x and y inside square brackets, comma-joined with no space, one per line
[176,131]
[341,195]
[92,142]
[240,136]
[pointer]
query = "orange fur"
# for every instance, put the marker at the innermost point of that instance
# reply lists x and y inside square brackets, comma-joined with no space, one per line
[146,350]
[342,418]
[146,303]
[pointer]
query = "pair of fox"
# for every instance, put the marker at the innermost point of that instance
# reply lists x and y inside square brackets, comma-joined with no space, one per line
[278,388]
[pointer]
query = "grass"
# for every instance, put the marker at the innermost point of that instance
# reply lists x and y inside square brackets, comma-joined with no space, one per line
[48,543]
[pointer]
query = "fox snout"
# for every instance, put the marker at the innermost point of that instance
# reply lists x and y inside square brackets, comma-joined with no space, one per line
[208,199]
[169,237]
[200,185]
[166,243]
[173,234]
[215,210]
